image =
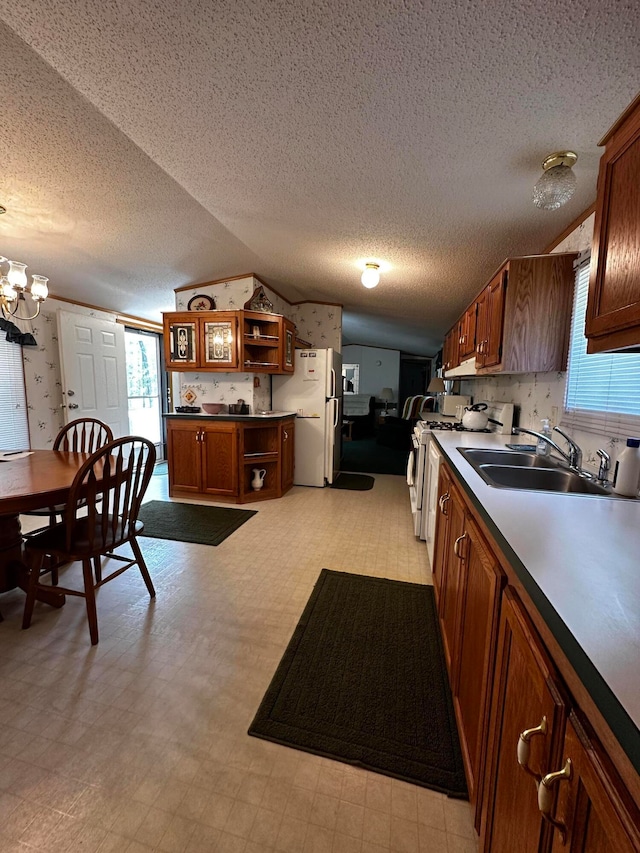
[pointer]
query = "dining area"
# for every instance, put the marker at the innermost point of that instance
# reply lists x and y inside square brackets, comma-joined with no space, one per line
[84,496]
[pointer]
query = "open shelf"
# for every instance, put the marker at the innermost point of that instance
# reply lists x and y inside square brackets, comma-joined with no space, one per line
[270,486]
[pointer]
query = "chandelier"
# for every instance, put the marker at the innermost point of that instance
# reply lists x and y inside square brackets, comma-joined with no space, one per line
[14,289]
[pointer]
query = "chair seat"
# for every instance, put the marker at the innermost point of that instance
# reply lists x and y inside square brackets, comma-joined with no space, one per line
[53,540]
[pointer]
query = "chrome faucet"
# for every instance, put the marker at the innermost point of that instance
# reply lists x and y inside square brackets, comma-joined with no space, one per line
[605,466]
[575,453]
[549,441]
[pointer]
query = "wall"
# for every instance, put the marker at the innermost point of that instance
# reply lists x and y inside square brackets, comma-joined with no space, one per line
[42,376]
[320,325]
[375,376]
[541,395]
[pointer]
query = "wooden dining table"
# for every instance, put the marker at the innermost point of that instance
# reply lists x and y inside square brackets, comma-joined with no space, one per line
[37,481]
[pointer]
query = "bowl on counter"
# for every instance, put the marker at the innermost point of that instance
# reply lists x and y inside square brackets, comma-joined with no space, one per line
[213,408]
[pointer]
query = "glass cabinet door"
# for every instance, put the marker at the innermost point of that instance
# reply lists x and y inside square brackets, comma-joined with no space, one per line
[182,344]
[220,343]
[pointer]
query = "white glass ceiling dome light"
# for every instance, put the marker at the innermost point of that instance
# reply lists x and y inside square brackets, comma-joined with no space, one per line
[371,275]
[557,183]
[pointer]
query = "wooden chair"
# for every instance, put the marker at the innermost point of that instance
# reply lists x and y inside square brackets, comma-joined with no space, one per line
[100,515]
[85,435]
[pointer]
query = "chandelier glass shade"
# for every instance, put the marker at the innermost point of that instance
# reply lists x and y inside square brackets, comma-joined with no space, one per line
[14,289]
[557,183]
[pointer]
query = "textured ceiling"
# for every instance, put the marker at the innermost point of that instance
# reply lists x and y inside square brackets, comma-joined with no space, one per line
[164,143]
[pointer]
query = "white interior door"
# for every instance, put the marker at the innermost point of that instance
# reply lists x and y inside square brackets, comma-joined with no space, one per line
[94,376]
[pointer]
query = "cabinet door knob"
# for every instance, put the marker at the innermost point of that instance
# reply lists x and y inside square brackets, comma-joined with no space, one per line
[443,499]
[545,796]
[524,747]
[285,435]
[456,546]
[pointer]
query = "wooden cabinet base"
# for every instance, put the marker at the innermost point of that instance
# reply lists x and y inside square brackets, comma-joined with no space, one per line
[228,460]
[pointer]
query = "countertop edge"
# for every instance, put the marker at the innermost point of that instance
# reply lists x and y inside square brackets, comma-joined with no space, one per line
[617,718]
[199,416]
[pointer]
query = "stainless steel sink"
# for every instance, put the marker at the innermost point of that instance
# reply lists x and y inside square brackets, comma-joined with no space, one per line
[507,457]
[539,479]
[507,469]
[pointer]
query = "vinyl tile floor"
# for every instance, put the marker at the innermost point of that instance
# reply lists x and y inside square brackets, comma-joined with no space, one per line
[139,743]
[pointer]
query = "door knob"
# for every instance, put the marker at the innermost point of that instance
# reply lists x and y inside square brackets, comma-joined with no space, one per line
[74,406]
[71,393]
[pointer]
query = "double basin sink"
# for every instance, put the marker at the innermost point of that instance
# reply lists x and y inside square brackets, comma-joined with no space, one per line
[514,469]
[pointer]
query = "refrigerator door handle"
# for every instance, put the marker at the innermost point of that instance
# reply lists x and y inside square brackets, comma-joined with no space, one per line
[336,409]
[333,383]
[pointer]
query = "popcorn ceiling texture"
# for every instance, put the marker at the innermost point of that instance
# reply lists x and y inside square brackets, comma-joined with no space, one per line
[160,143]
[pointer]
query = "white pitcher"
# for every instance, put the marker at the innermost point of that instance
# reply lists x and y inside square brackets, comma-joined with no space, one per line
[258,478]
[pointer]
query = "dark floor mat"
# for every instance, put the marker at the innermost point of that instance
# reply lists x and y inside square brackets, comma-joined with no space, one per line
[353,482]
[363,680]
[204,525]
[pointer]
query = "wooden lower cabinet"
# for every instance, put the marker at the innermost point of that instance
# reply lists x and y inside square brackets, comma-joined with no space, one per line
[449,601]
[516,720]
[219,444]
[526,723]
[480,582]
[218,459]
[589,815]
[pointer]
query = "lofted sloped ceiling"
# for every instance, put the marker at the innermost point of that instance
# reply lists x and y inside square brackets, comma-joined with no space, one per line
[151,144]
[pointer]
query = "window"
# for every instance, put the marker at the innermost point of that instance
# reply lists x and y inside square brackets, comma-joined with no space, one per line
[14,429]
[143,384]
[603,389]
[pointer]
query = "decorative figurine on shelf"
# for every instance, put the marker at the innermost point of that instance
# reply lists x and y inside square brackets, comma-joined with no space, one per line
[259,301]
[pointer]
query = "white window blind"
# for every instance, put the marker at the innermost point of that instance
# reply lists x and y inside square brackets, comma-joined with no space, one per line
[14,429]
[603,389]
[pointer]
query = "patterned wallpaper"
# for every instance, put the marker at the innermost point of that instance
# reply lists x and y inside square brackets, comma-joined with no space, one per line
[541,395]
[320,325]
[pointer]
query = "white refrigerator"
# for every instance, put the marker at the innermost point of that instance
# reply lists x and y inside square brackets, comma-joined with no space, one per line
[314,392]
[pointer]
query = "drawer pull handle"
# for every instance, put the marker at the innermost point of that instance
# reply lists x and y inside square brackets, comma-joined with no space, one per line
[545,796]
[524,747]
[444,498]
[456,546]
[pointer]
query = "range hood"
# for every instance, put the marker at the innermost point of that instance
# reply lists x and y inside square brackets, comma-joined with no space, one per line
[465,368]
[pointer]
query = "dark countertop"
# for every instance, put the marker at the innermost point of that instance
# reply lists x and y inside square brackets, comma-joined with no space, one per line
[199,416]
[578,557]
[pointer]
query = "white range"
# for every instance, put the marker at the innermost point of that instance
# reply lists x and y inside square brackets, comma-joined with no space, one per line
[424,463]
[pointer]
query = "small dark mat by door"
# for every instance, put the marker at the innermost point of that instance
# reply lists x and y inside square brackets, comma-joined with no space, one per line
[353,482]
[204,525]
[363,680]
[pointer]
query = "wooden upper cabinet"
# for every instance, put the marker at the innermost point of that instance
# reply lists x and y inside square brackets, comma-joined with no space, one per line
[181,340]
[229,341]
[467,340]
[592,814]
[451,349]
[524,315]
[491,316]
[613,310]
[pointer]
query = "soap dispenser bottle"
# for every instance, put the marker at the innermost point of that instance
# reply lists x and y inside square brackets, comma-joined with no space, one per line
[627,471]
[543,448]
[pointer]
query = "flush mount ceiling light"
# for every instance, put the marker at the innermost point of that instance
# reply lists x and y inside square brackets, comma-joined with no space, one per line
[557,183]
[371,275]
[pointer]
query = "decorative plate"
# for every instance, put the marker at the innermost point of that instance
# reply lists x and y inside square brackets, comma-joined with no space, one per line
[201,302]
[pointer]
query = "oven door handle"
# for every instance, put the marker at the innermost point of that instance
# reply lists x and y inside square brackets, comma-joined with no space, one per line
[410,468]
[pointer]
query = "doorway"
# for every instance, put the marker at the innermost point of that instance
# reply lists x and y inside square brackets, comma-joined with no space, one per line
[414,378]
[144,386]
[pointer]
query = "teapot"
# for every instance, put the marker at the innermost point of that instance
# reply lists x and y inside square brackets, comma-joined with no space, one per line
[257,481]
[475,417]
